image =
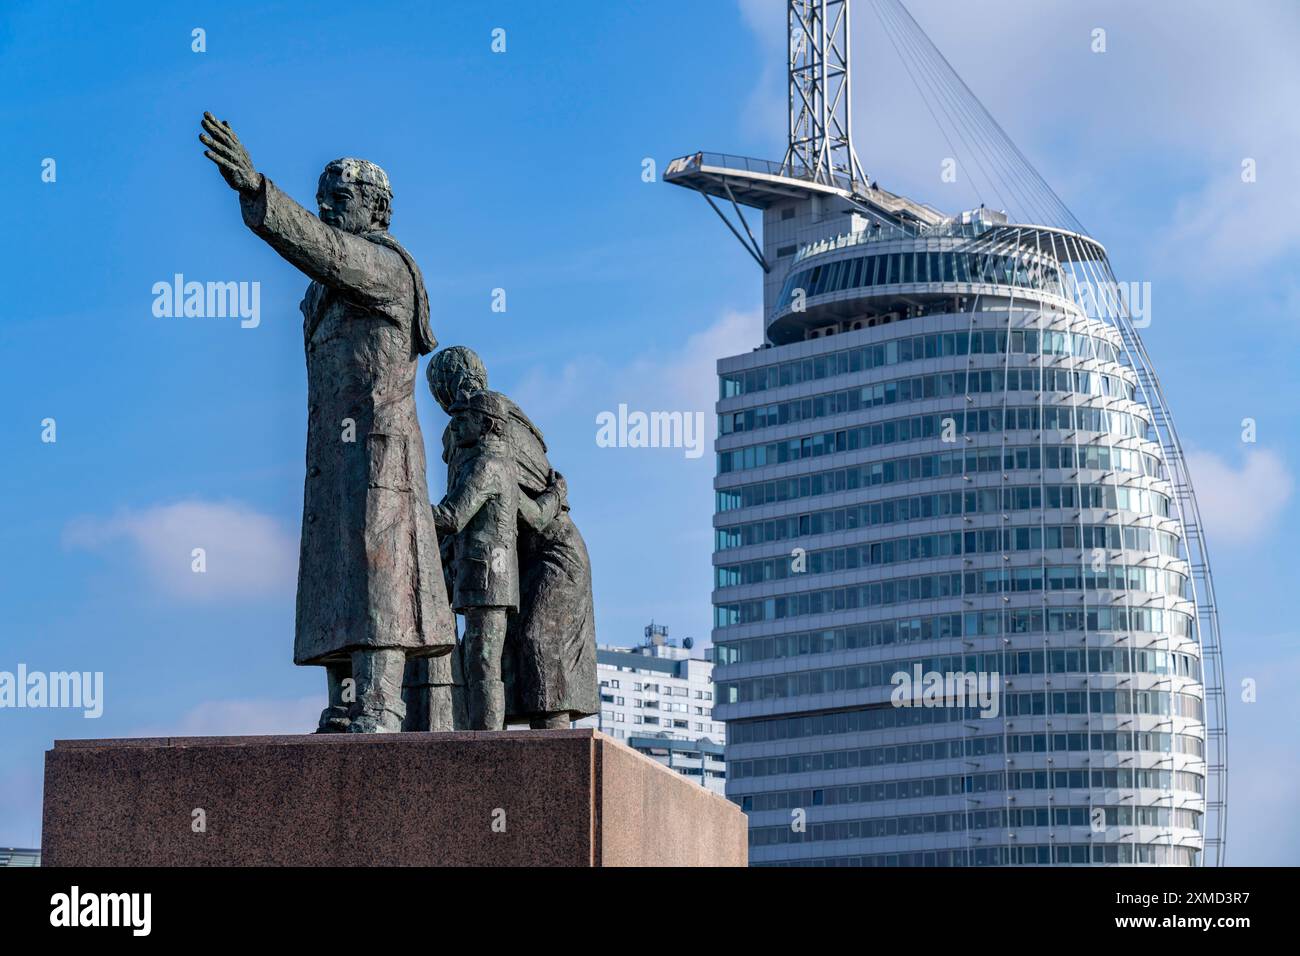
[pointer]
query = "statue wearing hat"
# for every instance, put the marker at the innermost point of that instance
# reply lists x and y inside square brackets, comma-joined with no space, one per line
[371,594]
[482,510]
[549,663]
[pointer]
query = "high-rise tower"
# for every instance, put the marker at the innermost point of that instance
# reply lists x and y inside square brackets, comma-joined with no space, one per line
[950,455]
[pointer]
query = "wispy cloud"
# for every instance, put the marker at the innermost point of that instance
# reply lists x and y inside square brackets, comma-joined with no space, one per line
[682,380]
[244,553]
[1240,504]
[241,718]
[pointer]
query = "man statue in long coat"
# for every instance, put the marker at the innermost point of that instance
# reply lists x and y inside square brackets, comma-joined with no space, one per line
[370,582]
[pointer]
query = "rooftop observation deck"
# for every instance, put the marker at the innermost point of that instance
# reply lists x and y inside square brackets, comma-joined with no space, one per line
[760,182]
[884,273]
[990,228]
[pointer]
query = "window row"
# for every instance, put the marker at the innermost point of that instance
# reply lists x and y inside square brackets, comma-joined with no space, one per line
[936,627]
[958,748]
[1061,661]
[954,464]
[1017,817]
[949,822]
[986,266]
[944,426]
[939,385]
[1115,577]
[943,504]
[1021,704]
[1096,537]
[931,587]
[1025,854]
[914,348]
[1066,702]
[885,716]
[952,821]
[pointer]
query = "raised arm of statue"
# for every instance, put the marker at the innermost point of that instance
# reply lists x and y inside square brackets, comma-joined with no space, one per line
[372,275]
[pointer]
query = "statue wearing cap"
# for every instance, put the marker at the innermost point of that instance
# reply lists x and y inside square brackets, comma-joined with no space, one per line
[371,594]
[482,509]
[549,662]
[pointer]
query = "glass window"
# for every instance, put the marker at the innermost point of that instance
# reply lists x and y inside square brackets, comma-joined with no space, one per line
[963,267]
[858,269]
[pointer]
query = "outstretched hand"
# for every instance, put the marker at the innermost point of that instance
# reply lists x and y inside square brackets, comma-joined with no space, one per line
[225,149]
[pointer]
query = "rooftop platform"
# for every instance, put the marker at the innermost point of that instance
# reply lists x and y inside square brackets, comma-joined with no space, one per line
[760,183]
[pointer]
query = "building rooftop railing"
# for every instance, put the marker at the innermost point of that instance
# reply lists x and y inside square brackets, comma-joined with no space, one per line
[961,228]
[766,167]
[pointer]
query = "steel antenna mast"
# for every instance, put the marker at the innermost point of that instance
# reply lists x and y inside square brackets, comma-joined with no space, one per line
[820,96]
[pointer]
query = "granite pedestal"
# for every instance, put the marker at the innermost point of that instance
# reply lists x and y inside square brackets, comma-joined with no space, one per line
[507,798]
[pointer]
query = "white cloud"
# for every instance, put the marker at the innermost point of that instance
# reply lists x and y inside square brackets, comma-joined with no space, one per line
[693,372]
[1240,505]
[764,112]
[247,554]
[684,380]
[242,718]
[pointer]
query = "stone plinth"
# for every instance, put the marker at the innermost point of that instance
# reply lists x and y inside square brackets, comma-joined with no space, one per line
[509,798]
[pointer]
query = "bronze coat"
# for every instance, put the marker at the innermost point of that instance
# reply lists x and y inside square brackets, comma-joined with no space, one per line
[550,657]
[482,509]
[369,574]
[549,662]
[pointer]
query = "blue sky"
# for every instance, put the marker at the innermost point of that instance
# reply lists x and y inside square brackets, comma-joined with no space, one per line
[522,171]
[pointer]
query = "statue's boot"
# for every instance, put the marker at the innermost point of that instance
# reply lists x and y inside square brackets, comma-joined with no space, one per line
[334,720]
[429,694]
[381,721]
[556,721]
[442,712]
[487,705]
[379,708]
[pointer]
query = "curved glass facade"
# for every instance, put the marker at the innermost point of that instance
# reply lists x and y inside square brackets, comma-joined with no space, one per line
[959,602]
[1022,269]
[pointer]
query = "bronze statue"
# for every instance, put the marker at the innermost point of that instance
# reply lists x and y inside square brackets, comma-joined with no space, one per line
[371,593]
[549,660]
[482,509]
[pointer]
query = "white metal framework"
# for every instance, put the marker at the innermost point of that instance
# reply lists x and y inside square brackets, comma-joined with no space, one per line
[820,105]
[1095,288]
[1115,309]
